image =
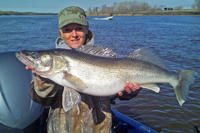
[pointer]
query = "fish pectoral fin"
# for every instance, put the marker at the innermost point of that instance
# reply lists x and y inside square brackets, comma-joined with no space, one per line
[153,87]
[70,98]
[75,81]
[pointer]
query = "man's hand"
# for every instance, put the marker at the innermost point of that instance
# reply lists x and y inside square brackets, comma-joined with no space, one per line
[129,87]
[131,91]
[28,68]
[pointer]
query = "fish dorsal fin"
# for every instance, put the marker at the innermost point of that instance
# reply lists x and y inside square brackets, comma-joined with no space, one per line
[98,50]
[146,55]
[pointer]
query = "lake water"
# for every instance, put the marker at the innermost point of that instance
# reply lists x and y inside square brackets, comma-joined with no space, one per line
[176,39]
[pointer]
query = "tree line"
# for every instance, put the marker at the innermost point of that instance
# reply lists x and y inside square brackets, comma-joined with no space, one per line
[196,5]
[24,13]
[134,6]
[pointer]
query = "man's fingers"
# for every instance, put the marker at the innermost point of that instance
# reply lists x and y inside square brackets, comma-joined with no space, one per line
[120,93]
[136,86]
[27,68]
[127,89]
[129,84]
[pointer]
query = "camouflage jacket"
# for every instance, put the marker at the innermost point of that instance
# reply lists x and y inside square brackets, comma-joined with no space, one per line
[92,114]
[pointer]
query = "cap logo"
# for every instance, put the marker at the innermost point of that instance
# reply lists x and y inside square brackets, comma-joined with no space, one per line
[81,17]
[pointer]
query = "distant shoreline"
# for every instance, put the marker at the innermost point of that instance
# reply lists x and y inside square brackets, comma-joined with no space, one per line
[184,12]
[24,13]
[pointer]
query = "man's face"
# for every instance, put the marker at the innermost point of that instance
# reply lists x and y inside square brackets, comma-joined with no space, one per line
[74,34]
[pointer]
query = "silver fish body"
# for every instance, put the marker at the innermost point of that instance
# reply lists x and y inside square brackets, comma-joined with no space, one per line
[107,76]
[102,76]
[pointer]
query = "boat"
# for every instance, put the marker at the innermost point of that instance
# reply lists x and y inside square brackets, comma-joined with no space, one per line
[106,18]
[31,117]
[128,125]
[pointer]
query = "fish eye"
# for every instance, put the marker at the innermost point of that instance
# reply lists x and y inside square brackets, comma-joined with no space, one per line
[33,55]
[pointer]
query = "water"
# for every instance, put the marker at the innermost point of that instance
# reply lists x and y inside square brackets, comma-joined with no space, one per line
[176,39]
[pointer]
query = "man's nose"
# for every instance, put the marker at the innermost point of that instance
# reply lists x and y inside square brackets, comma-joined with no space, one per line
[74,34]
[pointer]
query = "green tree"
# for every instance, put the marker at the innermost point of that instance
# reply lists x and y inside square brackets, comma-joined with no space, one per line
[95,9]
[196,4]
[103,8]
[90,9]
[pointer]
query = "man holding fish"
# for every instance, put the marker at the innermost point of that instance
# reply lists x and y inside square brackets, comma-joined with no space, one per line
[73,111]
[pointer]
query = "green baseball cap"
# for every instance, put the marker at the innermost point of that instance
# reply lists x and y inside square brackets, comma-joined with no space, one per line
[72,14]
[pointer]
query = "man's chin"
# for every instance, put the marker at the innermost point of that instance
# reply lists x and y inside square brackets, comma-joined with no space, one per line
[75,45]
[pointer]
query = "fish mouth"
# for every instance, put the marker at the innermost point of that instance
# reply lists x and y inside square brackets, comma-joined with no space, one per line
[24,59]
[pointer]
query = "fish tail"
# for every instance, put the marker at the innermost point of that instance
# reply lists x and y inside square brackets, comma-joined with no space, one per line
[181,86]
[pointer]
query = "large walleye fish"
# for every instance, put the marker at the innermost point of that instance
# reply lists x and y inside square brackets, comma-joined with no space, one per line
[104,76]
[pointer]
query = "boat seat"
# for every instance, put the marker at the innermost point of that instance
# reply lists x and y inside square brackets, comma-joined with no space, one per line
[17,110]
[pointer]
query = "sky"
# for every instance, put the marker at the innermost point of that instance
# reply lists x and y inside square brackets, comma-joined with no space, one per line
[54,6]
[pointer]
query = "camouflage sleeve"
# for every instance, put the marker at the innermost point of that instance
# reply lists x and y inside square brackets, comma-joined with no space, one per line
[45,91]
